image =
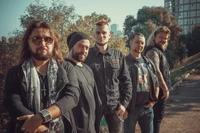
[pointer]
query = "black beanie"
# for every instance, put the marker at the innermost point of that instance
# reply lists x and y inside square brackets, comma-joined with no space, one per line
[74,37]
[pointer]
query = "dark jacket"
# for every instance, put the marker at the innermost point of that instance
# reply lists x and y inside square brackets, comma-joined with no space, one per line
[82,111]
[164,65]
[67,96]
[111,76]
[133,69]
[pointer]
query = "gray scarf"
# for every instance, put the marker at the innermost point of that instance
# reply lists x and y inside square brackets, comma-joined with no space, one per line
[33,87]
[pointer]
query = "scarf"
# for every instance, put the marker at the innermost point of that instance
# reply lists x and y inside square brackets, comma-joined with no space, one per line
[33,88]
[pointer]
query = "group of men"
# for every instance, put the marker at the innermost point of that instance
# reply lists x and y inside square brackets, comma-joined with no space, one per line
[46,93]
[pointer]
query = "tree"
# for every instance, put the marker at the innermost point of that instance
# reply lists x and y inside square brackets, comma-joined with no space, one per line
[193,41]
[148,18]
[86,24]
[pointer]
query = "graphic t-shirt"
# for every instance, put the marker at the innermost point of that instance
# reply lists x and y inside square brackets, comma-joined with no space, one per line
[143,81]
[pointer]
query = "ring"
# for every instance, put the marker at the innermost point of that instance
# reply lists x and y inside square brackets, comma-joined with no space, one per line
[22,129]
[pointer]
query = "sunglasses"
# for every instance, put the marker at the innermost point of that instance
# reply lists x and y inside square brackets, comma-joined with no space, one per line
[37,40]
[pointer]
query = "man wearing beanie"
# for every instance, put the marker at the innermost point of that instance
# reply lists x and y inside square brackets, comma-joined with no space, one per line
[112,78]
[87,113]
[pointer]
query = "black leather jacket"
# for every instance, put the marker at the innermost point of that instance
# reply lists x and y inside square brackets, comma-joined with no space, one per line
[133,69]
[16,103]
[112,78]
[164,65]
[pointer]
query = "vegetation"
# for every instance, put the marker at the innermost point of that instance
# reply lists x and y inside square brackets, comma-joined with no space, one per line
[148,18]
[181,71]
[65,20]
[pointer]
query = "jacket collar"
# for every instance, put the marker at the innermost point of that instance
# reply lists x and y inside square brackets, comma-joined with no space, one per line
[97,52]
[135,60]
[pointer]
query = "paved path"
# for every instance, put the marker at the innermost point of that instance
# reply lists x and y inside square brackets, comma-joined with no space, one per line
[183,107]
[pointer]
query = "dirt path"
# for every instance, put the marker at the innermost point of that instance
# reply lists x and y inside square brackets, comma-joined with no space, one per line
[183,108]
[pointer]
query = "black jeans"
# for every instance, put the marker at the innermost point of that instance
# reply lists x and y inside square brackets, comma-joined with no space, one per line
[115,125]
[158,109]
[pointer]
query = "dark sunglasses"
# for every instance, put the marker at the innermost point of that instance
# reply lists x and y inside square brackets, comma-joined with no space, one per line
[37,40]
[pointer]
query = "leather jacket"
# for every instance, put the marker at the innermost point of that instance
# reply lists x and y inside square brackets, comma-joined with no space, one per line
[133,69]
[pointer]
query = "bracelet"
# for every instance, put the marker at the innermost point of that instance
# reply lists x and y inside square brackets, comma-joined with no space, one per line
[45,115]
[166,90]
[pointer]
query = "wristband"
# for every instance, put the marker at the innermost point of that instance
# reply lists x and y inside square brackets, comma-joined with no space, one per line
[45,115]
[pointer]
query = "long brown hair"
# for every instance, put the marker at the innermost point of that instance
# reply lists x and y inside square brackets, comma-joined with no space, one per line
[25,52]
[159,29]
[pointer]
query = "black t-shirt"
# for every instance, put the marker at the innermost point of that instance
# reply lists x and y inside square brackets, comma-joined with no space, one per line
[44,91]
[143,85]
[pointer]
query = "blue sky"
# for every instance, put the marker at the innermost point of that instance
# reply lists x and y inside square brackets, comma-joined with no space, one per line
[117,10]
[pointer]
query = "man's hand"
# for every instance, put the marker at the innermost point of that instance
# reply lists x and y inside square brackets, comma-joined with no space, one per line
[125,115]
[165,95]
[121,110]
[31,124]
[149,104]
[41,129]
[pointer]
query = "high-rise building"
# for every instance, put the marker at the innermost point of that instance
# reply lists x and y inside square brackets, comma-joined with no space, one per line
[187,13]
[115,29]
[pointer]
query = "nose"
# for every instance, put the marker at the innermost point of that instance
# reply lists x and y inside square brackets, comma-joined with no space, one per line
[43,43]
[101,35]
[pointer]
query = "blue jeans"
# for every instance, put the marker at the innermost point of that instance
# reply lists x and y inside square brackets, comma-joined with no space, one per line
[144,117]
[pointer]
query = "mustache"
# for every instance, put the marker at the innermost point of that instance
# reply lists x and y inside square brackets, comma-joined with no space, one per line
[41,47]
[82,53]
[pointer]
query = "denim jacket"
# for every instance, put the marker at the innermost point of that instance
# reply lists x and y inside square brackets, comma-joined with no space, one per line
[111,76]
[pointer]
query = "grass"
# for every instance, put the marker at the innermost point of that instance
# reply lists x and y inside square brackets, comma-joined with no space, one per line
[179,72]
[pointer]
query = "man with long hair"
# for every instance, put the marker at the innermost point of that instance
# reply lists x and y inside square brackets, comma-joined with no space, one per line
[41,90]
[156,45]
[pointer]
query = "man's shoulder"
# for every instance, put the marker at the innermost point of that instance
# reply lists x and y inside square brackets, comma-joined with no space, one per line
[115,52]
[67,65]
[151,51]
[88,68]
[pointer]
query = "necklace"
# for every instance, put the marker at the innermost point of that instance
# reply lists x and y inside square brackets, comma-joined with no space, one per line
[42,70]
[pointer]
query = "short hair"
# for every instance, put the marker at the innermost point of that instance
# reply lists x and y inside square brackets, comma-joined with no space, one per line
[158,30]
[131,37]
[25,53]
[102,23]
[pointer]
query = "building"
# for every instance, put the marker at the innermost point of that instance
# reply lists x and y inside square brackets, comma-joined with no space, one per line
[187,13]
[115,29]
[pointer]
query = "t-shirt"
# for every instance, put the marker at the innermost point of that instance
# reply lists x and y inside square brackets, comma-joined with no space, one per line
[143,85]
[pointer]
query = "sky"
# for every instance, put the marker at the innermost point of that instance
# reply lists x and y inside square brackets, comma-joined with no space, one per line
[116,10]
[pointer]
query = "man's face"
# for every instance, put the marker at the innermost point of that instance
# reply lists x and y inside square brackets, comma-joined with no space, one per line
[80,50]
[102,35]
[41,44]
[162,40]
[137,44]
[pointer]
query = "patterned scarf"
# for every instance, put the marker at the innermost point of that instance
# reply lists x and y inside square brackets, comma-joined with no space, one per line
[33,88]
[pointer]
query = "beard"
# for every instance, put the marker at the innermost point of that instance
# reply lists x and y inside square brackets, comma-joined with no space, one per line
[78,56]
[39,56]
[163,46]
[138,50]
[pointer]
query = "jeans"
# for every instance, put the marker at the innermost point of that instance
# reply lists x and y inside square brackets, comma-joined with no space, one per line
[114,123]
[144,117]
[158,109]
